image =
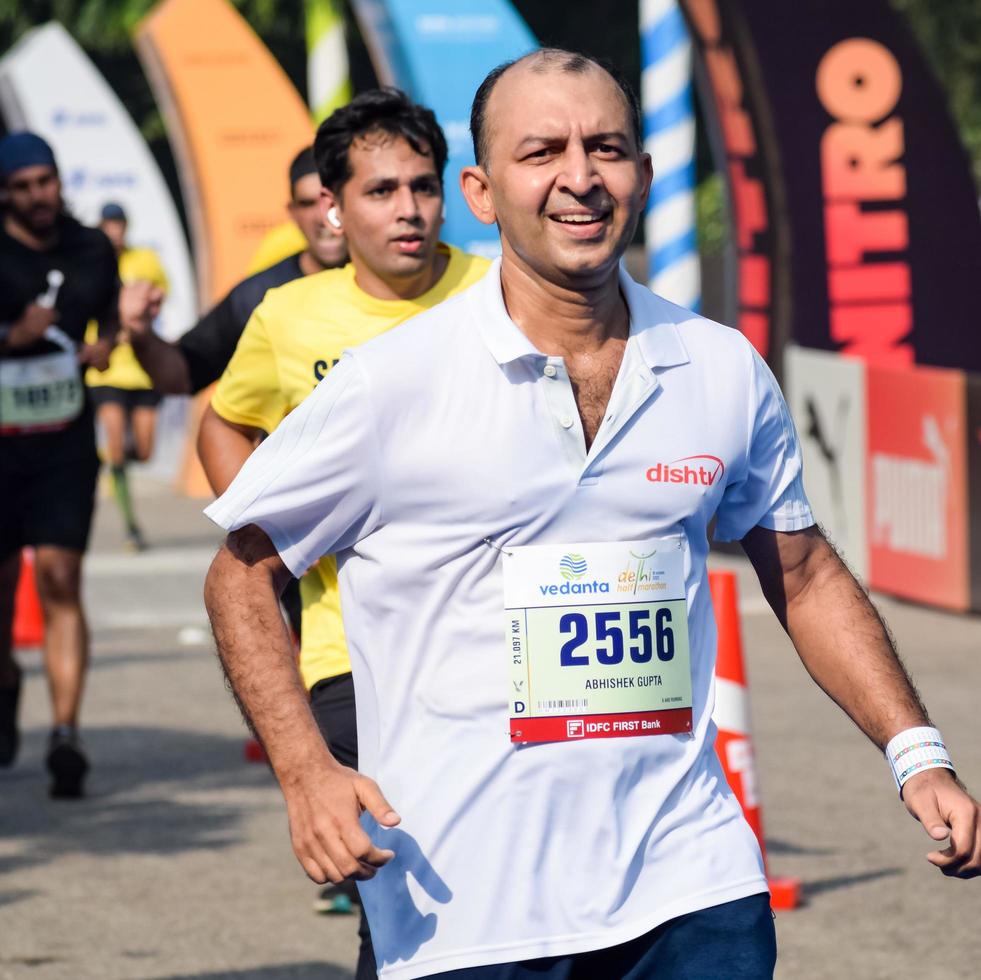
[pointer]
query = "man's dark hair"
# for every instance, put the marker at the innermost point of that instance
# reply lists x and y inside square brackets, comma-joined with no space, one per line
[544,60]
[379,110]
[302,165]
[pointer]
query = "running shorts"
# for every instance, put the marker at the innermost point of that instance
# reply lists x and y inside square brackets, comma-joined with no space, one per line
[129,398]
[46,501]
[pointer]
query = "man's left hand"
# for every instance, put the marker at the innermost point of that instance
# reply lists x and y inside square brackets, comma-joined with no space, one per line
[945,809]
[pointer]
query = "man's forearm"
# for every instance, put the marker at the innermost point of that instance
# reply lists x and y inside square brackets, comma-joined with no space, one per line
[860,668]
[256,653]
[163,362]
[840,637]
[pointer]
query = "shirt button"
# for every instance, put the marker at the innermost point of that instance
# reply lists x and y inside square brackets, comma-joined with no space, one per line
[565,422]
[550,371]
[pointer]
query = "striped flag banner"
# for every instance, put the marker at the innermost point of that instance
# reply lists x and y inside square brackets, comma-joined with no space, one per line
[669,137]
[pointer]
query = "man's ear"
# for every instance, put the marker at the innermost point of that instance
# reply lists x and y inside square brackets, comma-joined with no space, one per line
[477,193]
[647,168]
[330,212]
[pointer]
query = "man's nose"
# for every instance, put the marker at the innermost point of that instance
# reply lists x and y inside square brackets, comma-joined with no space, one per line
[407,204]
[578,174]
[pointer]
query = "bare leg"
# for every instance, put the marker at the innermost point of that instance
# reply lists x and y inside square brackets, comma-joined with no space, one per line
[9,672]
[9,573]
[144,423]
[66,640]
[112,418]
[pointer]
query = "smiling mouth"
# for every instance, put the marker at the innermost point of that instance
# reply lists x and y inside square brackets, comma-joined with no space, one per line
[578,219]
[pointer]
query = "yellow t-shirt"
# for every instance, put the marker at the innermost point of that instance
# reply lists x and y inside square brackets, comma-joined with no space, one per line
[294,337]
[124,371]
[280,242]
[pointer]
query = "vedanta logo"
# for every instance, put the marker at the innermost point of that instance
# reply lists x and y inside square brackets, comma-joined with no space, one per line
[572,567]
[701,470]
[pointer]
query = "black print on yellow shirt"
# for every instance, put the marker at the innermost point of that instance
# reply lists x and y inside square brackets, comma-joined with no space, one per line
[320,368]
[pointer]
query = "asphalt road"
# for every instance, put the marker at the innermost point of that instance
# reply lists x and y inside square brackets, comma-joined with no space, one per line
[178,863]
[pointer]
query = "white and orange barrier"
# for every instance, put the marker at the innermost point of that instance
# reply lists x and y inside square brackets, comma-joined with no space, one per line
[734,742]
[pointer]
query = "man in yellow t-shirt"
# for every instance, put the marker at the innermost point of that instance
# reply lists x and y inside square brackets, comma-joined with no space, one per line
[381,162]
[125,402]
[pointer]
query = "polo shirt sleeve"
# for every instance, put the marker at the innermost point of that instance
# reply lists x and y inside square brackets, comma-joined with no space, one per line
[313,486]
[249,392]
[768,489]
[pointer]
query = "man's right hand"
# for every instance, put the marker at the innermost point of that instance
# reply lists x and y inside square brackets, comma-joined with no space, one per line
[29,329]
[139,306]
[324,814]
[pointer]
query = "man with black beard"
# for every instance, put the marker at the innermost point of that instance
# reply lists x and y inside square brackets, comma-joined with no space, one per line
[55,276]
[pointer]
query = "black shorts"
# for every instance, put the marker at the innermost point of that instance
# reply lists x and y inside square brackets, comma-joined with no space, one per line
[332,703]
[46,501]
[129,398]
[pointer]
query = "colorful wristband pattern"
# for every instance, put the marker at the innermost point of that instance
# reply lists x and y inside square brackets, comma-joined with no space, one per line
[914,750]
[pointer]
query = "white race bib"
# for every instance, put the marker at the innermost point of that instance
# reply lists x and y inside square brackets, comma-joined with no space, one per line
[42,393]
[597,640]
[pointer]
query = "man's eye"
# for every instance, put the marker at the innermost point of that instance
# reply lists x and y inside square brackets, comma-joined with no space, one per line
[608,148]
[379,192]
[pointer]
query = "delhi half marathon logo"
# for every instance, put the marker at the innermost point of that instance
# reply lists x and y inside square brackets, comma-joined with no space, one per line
[572,567]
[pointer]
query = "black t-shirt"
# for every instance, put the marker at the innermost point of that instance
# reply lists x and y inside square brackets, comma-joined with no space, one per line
[89,292]
[209,345]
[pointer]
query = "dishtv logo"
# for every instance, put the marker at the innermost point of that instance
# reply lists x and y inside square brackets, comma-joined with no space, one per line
[701,471]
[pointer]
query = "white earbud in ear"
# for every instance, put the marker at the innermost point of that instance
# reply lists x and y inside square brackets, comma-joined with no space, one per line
[442,213]
[332,219]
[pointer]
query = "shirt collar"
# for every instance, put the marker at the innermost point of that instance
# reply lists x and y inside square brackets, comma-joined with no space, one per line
[653,322]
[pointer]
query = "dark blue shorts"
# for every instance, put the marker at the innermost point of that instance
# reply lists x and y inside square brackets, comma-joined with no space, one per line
[735,941]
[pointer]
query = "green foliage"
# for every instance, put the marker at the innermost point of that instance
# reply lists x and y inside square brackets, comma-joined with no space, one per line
[711,220]
[949,32]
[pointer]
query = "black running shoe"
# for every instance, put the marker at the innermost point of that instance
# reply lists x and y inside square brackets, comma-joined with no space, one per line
[134,540]
[67,764]
[9,736]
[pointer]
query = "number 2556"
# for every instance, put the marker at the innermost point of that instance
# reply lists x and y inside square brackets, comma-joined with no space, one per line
[651,634]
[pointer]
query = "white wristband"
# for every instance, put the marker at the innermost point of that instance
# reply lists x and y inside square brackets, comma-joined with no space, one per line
[915,750]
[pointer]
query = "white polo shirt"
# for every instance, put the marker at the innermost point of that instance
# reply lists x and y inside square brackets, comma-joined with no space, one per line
[417,449]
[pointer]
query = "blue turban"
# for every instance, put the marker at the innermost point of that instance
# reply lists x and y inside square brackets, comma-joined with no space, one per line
[23,149]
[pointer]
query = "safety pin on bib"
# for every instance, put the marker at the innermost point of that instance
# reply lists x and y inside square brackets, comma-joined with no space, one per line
[490,544]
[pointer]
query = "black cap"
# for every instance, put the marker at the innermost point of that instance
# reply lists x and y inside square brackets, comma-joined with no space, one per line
[24,149]
[111,211]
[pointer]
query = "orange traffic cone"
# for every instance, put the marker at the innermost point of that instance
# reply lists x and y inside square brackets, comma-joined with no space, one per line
[28,617]
[734,742]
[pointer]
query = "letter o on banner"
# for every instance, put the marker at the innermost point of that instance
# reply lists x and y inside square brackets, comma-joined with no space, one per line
[859,80]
